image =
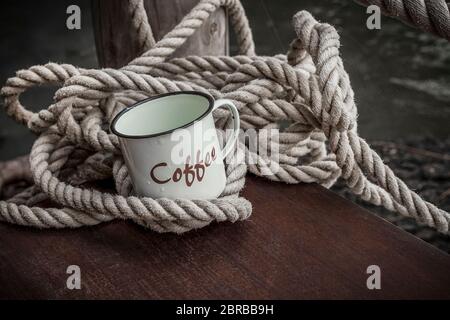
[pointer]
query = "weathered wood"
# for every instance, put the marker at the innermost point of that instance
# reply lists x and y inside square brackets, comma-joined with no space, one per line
[116,39]
[302,241]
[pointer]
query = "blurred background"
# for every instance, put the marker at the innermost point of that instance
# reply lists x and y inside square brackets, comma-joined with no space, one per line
[400,75]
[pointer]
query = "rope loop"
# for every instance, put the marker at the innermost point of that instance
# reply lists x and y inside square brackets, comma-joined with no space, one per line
[298,116]
[49,74]
[190,23]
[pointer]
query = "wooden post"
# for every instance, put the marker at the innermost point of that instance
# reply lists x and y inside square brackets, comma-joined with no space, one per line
[116,38]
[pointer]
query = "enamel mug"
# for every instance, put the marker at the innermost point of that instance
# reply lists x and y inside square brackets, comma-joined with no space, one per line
[170,145]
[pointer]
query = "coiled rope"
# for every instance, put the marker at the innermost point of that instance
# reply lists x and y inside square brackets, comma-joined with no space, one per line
[308,88]
[141,24]
[432,16]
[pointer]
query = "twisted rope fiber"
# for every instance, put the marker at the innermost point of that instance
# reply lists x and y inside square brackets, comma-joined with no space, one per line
[308,88]
[141,24]
[432,16]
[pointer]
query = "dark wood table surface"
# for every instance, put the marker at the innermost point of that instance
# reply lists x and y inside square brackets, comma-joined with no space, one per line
[302,241]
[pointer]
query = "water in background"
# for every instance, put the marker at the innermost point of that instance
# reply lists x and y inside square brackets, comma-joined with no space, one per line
[401,76]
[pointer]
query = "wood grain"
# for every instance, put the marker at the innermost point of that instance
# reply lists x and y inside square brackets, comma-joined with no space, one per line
[116,40]
[302,242]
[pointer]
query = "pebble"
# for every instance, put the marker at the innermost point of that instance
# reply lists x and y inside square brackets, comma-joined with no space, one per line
[428,176]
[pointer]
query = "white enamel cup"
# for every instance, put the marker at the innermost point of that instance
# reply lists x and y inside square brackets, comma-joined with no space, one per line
[170,145]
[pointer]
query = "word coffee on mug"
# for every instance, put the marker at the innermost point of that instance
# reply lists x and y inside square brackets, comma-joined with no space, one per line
[170,145]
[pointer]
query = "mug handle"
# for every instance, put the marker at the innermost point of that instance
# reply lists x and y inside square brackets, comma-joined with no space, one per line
[236,124]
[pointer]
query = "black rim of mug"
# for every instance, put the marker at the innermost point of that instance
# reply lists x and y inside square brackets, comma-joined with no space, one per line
[121,113]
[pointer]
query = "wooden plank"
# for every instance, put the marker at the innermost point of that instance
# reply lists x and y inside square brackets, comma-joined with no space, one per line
[302,241]
[116,40]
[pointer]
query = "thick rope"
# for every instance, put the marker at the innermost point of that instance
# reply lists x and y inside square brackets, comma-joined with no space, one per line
[432,16]
[141,24]
[190,23]
[308,89]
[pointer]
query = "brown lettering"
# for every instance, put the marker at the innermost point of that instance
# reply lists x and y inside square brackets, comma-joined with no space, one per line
[177,175]
[152,173]
[191,172]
